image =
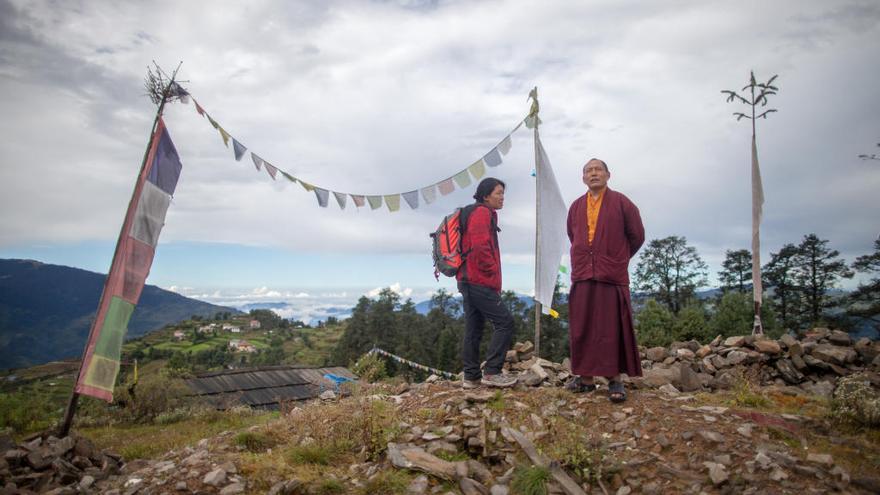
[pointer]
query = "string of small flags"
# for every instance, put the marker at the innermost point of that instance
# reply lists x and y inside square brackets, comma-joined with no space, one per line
[411,364]
[428,193]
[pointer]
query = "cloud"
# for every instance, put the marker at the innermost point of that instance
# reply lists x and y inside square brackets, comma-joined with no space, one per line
[395,287]
[385,97]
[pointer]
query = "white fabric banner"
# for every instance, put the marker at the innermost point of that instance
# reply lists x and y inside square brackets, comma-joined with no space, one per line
[757,213]
[551,228]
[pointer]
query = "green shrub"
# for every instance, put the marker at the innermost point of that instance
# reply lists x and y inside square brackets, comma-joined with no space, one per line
[856,402]
[530,480]
[370,368]
[691,324]
[25,412]
[735,315]
[654,324]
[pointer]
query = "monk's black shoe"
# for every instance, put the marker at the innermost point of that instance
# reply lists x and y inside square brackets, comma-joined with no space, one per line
[577,386]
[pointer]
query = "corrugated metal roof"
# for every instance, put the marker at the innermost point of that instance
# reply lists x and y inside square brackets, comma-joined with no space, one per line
[264,387]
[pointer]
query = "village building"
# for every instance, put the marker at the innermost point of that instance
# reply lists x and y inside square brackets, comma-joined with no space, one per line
[241,346]
[265,387]
[254,324]
[179,335]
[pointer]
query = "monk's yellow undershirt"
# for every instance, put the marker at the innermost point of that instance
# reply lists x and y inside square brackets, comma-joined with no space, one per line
[593,207]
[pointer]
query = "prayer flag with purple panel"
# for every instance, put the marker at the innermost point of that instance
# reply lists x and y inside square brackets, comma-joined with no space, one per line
[131,265]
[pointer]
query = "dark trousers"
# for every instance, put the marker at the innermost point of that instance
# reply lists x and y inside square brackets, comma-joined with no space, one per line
[481,304]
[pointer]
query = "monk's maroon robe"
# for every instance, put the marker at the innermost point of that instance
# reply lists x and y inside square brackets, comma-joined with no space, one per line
[603,341]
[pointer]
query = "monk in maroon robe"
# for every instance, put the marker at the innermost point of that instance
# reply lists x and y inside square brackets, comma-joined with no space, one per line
[605,230]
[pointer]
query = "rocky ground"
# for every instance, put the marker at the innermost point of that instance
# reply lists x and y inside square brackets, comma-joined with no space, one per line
[735,416]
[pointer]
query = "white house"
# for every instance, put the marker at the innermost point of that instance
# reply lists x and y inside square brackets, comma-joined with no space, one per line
[179,335]
[255,324]
[241,346]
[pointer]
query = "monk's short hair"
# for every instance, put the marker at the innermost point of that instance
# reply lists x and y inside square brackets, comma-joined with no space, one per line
[486,187]
[600,161]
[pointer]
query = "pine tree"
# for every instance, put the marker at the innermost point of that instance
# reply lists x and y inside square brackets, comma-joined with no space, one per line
[671,271]
[736,273]
[818,270]
[780,275]
[866,298]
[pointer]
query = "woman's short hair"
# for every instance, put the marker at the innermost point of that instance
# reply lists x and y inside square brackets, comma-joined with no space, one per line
[486,187]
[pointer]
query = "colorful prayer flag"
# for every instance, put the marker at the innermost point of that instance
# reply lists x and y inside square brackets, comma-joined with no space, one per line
[323,195]
[257,160]
[271,169]
[358,200]
[412,199]
[340,198]
[306,186]
[199,108]
[224,135]
[492,158]
[392,201]
[463,179]
[429,194]
[375,201]
[238,149]
[130,267]
[504,145]
[478,169]
[446,187]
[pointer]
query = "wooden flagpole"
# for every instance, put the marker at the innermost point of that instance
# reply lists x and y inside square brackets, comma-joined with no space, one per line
[534,114]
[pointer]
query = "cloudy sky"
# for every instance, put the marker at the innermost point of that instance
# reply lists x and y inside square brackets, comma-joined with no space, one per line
[383,97]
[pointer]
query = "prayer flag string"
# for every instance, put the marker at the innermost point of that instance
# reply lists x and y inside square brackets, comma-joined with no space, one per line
[411,364]
[462,178]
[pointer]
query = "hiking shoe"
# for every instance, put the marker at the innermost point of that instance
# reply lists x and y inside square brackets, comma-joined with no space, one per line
[577,386]
[499,380]
[469,384]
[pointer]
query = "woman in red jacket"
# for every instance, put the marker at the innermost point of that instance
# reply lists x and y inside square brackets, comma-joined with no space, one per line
[479,281]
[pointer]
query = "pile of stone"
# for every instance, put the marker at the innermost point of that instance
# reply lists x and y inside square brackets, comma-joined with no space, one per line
[54,465]
[810,365]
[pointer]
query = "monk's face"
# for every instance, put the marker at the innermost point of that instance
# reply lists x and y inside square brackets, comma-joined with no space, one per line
[495,200]
[596,175]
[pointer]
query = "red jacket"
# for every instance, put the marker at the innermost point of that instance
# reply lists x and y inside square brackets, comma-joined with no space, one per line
[479,244]
[619,235]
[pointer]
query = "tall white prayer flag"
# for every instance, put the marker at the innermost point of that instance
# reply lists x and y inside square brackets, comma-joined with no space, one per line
[551,232]
[757,212]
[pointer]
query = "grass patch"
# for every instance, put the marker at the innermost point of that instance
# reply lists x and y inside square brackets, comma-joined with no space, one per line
[329,486]
[313,454]
[253,441]
[388,481]
[148,441]
[496,403]
[575,448]
[786,437]
[352,425]
[531,480]
[745,396]
[452,456]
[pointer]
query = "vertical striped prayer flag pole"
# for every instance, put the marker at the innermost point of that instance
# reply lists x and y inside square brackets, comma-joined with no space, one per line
[131,263]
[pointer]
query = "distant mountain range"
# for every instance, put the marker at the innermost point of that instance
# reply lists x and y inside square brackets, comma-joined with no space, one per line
[46,311]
